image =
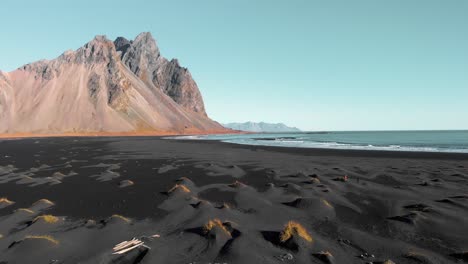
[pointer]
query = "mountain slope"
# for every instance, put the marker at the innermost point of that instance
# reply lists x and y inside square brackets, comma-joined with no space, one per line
[105,86]
[261,127]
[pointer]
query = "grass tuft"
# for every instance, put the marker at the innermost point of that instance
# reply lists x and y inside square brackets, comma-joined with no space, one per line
[179,186]
[125,219]
[213,223]
[294,228]
[25,210]
[327,204]
[43,201]
[5,200]
[48,238]
[50,219]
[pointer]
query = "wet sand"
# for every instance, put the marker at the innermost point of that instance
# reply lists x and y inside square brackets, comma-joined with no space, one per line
[213,202]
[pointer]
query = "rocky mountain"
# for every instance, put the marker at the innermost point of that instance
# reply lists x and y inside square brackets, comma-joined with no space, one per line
[104,86]
[261,127]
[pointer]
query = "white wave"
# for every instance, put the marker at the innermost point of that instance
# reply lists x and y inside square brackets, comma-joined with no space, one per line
[289,141]
[335,145]
[303,142]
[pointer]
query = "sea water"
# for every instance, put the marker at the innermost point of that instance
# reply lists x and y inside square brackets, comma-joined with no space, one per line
[428,141]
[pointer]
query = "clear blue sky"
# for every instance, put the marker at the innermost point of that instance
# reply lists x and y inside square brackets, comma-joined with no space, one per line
[318,65]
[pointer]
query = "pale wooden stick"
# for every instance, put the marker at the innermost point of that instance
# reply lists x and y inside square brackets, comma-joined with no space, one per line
[127,249]
[126,244]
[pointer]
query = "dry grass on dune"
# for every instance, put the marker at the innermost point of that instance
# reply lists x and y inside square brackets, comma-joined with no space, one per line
[46,201]
[47,238]
[125,219]
[5,200]
[50,219]
[179,186]
[25,210]
[213,223]
[294,228]
[326,203]
[326,253]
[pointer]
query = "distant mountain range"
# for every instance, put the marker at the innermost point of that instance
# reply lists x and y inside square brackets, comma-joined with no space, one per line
[104,86]
[261,127]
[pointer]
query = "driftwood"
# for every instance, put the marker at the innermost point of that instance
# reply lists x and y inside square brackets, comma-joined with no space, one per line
[128,249]
[126,246]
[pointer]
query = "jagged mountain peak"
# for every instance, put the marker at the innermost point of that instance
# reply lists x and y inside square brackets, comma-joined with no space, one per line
[121,85]
[143,42]
[143,58]
[145,38]
[98,50]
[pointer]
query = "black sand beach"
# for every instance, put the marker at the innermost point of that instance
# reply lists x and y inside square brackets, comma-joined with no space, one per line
[214,202]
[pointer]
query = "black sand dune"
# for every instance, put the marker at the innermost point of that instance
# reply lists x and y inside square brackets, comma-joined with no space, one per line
[74,200]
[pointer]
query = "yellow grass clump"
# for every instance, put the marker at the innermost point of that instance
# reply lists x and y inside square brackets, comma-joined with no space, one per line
[43,201]
[326,253]
[213,223]
[5,200]
[50,219]
[125,219]
[294,228]
[181,187]
[48,238]
[326,203]
[25,210]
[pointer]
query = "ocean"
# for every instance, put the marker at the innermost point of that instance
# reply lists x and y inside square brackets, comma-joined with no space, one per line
[428,141]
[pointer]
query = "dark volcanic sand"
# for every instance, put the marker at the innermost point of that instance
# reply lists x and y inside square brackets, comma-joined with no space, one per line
[398,206]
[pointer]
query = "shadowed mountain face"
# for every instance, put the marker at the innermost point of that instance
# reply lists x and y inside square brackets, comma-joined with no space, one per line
[104,86]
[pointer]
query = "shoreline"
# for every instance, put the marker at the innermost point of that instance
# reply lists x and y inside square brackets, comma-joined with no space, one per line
[342,152]
[284,149]
[427,142]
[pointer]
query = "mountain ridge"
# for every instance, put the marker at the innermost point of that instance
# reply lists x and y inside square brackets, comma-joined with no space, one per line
[104,86]
[260,127]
